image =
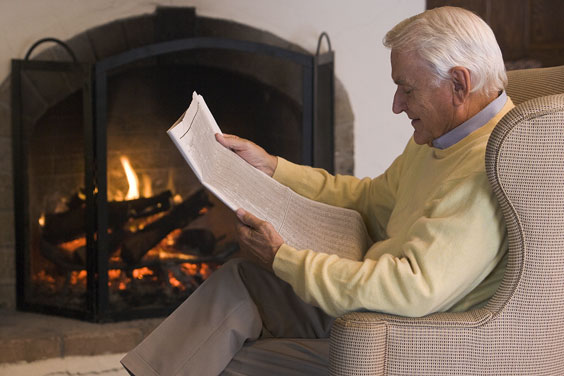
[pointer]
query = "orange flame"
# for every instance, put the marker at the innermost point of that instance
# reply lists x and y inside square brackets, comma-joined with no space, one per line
[174,282]
[73,245]
[114,273]
[190,269]
[132,179]
[142,272]
[147,188]
[78,277]
[117,278]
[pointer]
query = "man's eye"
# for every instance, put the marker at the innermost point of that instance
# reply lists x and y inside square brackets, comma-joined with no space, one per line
[407,91]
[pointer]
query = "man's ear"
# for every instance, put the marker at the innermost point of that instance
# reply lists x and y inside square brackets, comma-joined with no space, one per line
[461,84]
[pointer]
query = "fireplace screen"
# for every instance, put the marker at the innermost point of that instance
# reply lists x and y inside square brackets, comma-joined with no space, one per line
[111,224]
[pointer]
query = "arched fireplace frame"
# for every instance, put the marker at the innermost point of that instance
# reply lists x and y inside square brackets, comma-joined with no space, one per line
[317,137]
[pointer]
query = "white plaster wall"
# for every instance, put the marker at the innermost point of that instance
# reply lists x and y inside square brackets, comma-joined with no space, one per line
[356,29]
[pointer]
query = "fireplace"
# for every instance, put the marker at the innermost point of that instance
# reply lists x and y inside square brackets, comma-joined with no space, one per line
[111,224]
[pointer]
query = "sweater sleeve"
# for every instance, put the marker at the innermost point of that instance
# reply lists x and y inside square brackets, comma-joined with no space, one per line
[445,254]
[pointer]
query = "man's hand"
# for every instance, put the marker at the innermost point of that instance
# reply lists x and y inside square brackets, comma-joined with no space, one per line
[250,152]
[259,239]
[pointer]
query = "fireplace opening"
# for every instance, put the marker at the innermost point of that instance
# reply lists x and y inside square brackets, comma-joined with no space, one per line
[165,235]
[111,223]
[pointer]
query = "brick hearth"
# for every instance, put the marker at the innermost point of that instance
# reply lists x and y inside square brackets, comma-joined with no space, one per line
[30,337]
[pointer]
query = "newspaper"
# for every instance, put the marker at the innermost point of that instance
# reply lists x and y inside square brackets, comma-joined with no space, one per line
[302,223]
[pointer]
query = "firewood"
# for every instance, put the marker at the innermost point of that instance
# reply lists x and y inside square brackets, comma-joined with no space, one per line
[196,241]
[62,258]
[70,225]
[136,245]
[114,241]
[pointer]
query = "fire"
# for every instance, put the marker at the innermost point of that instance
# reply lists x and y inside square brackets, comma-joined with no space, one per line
[169,270]
[147,188]
[132,179]
[117,279]
[203,270]
[142,272]
[78,277]
[44,276]
[114,274]
[174,282]
[73,245]
[133,182]
[189,269]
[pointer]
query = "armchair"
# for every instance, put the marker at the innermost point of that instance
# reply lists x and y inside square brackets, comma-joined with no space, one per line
[521,329]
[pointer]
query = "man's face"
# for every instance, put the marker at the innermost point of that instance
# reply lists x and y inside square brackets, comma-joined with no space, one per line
[430,107]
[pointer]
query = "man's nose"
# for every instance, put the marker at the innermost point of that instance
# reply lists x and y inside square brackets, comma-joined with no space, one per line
[398,106]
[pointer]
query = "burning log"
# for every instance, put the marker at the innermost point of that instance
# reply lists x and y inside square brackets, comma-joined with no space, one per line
[136,245]
[59,256]
[120,211]
[114,241]
[69,225]
[196,241]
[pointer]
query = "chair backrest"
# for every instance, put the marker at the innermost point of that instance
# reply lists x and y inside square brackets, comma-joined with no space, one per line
[525,84]
[525,166]
[516,150]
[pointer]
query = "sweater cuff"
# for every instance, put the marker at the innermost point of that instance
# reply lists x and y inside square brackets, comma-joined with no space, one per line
[283,170]
[285,263]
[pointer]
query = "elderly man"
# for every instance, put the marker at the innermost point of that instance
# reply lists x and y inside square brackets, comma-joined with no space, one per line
[440,239]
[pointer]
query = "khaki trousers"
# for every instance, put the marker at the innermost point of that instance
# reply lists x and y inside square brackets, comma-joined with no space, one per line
[242,320]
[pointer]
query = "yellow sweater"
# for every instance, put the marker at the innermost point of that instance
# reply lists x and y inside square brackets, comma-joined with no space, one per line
[440,237]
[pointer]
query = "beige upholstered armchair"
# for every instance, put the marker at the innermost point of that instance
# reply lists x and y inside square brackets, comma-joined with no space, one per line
[521,330]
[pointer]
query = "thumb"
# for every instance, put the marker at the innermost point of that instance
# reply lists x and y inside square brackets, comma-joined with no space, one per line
[221,139]
[247,218]
[230,141]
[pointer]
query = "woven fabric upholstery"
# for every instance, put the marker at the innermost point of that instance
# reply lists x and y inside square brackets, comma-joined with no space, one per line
[525,84]
[521,329]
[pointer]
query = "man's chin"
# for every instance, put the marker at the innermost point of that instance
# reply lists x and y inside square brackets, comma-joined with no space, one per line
[421,140]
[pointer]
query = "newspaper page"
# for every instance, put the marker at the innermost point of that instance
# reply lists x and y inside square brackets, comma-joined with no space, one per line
[302,223]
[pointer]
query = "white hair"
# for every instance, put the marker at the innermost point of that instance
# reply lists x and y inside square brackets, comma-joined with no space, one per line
[447,37]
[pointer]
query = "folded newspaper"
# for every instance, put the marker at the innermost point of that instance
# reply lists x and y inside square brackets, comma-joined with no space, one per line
[302,223]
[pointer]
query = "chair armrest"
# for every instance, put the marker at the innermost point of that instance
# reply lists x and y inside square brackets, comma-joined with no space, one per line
[359,341]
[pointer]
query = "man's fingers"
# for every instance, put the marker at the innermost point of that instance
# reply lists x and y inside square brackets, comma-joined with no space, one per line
[250,152]
[251,228]
[250,237]
[258,238]
[248,219]
[244,231]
